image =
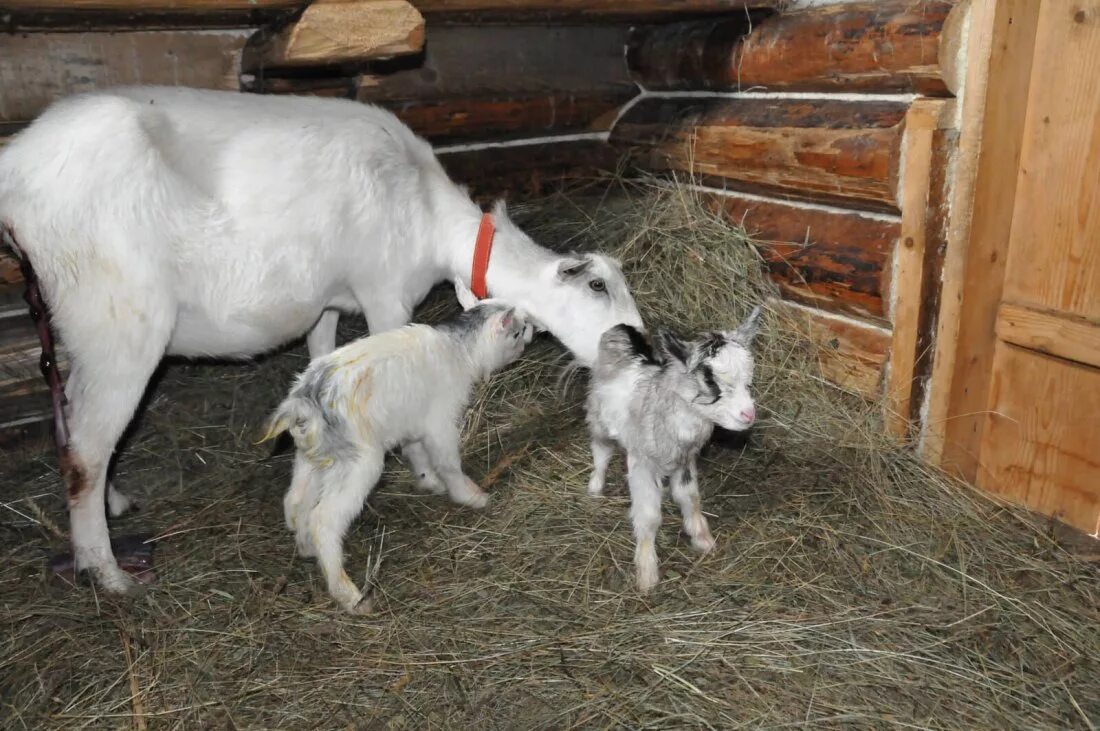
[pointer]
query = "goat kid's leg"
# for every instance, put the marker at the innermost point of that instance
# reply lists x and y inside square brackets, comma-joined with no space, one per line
[443,450]
[118,502]
[343,489]
[602,452]
[321,340]
[299,501]
[420,464]
[685,490]
[645,512]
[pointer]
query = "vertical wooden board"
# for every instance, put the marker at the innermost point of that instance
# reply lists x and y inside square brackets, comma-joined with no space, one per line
[37,69]
[1000,42]
[829,258]
[1041,445]
[1054,250]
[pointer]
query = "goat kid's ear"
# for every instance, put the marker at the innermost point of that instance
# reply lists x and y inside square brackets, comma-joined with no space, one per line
[466,297]
[572,267]
[505,320]
[747,330]
[673,346]
[500,209]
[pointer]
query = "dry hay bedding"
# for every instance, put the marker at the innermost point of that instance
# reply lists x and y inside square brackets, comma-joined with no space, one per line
[851,586]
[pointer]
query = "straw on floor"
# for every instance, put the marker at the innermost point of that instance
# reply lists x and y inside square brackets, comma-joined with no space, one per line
[852,585]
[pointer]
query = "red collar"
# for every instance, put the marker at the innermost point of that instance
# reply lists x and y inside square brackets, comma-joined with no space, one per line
[482,249]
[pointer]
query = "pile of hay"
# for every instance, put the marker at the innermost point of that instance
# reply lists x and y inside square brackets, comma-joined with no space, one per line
[851,585]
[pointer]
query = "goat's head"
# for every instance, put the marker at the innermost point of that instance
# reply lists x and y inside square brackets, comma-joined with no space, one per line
[576,297]
[500,332]
[717,370]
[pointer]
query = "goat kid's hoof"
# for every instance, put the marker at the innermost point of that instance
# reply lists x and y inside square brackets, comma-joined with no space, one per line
[472,497]
[595,486]
[133,569]
[362,607]
[647,579]
[703,544]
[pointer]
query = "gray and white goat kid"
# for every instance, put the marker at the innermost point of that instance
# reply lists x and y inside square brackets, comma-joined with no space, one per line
[661,409]
[405,386]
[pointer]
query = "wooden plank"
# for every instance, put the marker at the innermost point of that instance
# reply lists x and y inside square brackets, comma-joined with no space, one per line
[1001,41]
[194,6]
[925,116]
[344,31]
[1054,249]
[1049,331]
[833,259]
[466,118]
[619,9]
[852,355]
[37,69]
[527,170]
[103,15]
[1039,447]
[828,150]
[885,46]
[490,61]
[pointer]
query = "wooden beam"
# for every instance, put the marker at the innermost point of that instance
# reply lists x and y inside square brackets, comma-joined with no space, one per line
[1055,333]
[527,170]
[885,46]
[618,9]
[1001,44]
[39,68]
[344,31]
[507,117]
[191,6]
[832,259]
[852,355]
[836,151]
[925,116]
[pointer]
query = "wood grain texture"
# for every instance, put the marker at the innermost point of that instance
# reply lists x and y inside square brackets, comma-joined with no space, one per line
[1050,331]
[886,46]
[150,5]
[528,170]
[1001,41]
[499,118]
[1039,447]
[37,69]
[832,259]
[1054,249]
[851,355]
[925,116]
[344,31]
[829,150]
[654,9]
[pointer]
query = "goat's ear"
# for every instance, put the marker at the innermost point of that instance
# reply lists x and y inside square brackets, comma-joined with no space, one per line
[572,266]
[500,209]
[504,320]
[673,346]
[747,330]
[466,297]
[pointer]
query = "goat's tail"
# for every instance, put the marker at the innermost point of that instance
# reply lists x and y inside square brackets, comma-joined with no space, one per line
[302,418]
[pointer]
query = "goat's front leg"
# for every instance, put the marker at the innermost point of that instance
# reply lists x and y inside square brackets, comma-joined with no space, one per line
[343,488]
[645,511]
[442,446]
[685,490]
[322,338]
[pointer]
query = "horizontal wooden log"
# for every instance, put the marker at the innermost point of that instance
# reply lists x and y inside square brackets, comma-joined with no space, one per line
[851,355]
[617,9]
[501,60]
[847,152]
[835,260]
[883,46]
[101,15]
[466,118]
[526,170]
[37,69]
[345,31]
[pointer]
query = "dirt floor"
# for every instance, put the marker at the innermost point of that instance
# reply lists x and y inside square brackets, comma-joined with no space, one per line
[851,585]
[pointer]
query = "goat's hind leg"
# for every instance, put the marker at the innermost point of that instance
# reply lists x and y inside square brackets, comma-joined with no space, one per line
[645,511]
[299,501]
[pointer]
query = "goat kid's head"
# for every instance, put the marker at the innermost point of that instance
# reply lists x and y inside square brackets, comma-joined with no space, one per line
[718,370]
[576,297]
[502,333]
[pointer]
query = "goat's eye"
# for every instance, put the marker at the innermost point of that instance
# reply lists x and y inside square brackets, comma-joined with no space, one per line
[597,285]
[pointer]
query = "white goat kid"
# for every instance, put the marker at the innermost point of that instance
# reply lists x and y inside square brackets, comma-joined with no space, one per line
[661,409]
[348,408]
[166,221]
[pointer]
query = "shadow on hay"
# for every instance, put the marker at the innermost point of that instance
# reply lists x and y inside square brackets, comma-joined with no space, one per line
[852,586]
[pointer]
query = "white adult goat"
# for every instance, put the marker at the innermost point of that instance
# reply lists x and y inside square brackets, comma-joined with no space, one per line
[199,223]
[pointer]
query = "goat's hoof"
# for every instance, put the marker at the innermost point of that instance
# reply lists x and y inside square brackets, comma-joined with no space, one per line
[647,579]
[703,544]
[130,571]
[362,607]
[472,496]
[595,486]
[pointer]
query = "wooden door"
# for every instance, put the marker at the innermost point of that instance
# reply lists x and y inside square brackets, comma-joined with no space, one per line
[1029,344]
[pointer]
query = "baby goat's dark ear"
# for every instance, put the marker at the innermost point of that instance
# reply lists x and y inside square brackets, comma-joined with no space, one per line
[672,346]
[747,330]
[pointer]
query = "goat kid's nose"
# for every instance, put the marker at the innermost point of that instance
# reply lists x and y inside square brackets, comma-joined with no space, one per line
[748,415]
